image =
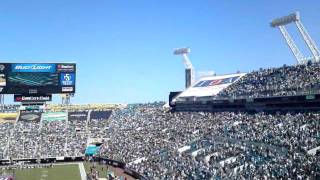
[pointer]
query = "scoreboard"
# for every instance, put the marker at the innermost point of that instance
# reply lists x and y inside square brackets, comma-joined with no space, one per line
[37,78]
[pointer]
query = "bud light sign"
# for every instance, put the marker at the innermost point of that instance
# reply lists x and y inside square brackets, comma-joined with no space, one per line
[50,68]
[67,79]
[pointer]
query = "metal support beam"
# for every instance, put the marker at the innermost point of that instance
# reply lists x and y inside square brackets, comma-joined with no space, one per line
[295,18]
[189,71]
[309,41]
[65,99]
[293,47]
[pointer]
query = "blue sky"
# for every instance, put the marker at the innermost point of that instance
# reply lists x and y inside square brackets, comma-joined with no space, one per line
[123,49]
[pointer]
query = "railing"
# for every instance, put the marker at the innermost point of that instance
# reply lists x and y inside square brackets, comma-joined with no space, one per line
[297,93]
[234,97]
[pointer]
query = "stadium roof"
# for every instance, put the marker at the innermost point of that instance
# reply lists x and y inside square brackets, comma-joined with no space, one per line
[209,86]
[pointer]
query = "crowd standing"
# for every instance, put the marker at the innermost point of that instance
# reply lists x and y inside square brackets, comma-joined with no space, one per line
[4,137]
[76,135]
[45,138]
[53,139]
[161,144]
[283,81]
[24,140]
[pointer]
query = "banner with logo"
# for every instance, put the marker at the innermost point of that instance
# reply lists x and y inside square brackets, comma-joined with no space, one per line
[100,115]
[28,67]
[30,117]
[66,67]
[67,79]
[54,116]
[81,115]
[22,98]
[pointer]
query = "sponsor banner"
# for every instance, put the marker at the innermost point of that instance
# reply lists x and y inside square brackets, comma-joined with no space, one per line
[81,115]
[67,79]
[3,81]
[100,115]
[67,89]
[30,117]
[209,86]
[28,67]
[216,82]
[8,117]
[91,150]
[22,98]
[65,67]
[54,116]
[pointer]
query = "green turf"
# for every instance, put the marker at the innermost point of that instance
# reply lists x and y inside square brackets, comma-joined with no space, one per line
[57,172]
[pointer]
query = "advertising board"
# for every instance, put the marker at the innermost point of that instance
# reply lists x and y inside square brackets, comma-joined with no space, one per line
[32,98]
[37,78]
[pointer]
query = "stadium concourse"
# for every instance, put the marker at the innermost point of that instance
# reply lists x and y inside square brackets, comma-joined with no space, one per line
[163,144]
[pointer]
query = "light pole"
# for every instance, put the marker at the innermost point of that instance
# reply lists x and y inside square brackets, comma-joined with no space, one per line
[295,18]
[189,71]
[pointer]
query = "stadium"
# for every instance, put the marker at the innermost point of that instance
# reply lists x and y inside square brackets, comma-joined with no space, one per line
[263,124]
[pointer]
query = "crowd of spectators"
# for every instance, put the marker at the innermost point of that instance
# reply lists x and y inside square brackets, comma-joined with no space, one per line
[5,129]
[98,124]
[24,140]
[161,144]
[33,138]
[53,138]
[76,134]
[283,81]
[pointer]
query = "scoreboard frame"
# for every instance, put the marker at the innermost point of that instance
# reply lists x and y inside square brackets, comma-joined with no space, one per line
[37,78]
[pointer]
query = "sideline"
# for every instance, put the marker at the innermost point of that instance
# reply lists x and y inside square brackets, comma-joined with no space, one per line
[82,171]
[81,168]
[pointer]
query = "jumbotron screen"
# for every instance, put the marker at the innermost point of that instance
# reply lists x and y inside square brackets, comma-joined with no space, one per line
[37,78]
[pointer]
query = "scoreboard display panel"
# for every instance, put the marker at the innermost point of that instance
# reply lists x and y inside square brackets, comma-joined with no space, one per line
[37,78]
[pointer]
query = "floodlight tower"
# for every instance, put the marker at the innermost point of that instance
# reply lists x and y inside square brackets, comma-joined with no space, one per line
[189,71]
[295,17]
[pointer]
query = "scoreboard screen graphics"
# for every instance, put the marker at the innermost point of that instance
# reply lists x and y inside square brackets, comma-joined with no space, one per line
[37,78]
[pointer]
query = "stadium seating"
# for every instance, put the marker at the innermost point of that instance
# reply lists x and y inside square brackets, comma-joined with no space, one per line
[283,81]
[224,145]
[51,134]
[4,137]
[162,144]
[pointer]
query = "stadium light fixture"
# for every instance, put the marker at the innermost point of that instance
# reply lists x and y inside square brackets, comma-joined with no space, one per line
[189,71]
[295,18]
[181,51]
[184,53]
[285,20]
